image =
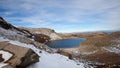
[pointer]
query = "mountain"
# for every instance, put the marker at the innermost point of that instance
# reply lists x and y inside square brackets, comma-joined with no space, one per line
[13,55]
[21,48]
[48,32]
[24,47]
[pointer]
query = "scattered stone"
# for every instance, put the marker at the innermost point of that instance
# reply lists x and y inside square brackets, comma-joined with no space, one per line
[1,59]
[40,52]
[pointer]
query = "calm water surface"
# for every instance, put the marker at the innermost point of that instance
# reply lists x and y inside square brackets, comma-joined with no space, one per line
[65,43]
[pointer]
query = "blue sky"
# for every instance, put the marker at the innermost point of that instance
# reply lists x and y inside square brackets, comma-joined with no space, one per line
[63,15]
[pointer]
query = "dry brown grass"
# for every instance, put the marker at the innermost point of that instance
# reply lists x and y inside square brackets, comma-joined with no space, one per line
[96,43]
[99,41]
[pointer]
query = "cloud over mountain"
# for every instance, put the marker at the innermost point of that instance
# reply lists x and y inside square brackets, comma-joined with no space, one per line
[86,15]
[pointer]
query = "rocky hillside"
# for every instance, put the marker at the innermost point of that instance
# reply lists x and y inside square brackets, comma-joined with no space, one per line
[11,54]
[20,47]
[45,31]
[7,26]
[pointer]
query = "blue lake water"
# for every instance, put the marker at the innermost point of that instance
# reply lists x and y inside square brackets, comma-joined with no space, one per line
[65,43]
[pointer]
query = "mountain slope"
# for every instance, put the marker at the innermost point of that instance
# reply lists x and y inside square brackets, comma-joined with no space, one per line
[13,55]
[22,50]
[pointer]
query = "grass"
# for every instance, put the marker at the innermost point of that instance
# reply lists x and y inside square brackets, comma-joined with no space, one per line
[96,43]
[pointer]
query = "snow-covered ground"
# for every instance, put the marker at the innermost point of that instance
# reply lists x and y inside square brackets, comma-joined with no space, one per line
[13,33]
[5,55]
[112,49]
[3,64]
[48,60]
[115,48]
[88,53]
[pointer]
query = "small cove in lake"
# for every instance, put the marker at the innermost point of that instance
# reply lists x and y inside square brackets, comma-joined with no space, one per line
[65,43]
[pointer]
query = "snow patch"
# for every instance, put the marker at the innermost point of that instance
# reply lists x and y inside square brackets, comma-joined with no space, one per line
[3,64]
[5,55]
[49,60]
[2,39]
[88,53]
[112,49]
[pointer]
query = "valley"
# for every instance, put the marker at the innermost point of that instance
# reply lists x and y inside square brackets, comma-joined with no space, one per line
[25,47]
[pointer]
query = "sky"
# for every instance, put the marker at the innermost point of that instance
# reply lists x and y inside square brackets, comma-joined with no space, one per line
[63,15]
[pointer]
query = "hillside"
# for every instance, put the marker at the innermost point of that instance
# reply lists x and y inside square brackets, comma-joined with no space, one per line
[103,48]
[45,31]
[21,48]
[13,55]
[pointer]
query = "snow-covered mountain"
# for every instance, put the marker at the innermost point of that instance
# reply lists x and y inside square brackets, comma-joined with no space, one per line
[18,49]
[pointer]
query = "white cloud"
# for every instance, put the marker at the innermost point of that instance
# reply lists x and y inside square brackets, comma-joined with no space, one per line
[49,12]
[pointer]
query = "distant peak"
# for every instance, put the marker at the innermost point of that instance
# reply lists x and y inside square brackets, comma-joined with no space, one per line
[4,24]
[1,19]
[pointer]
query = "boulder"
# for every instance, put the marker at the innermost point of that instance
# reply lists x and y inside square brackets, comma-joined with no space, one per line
[22,56]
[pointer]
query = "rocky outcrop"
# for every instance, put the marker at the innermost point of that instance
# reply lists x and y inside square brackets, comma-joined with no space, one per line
[7,26]
[41,38]
[21,56]
[29,58]
[4,24]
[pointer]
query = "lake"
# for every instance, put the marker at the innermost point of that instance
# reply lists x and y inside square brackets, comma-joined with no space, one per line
[65,43]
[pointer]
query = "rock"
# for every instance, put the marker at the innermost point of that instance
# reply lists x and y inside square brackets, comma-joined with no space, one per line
[41,38]
[28,59]
[65,53]
[1,59]
[4,24]
[22,56]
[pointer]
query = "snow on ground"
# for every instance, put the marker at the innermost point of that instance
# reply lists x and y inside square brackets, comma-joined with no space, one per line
[5,55]
[88,53]
[3,64]
[115,48]
[3,39]
[112,49]
[48,60]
